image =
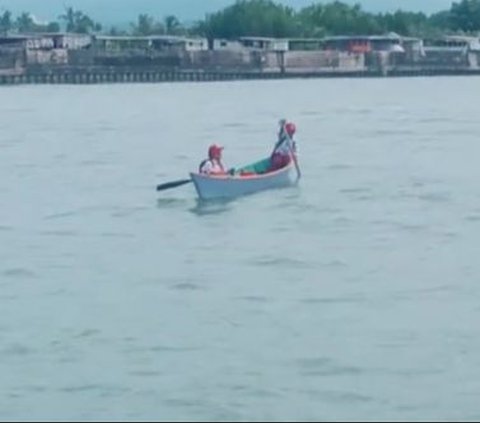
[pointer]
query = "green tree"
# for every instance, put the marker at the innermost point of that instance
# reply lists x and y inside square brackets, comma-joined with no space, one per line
[78,22]
[115,32]
[146,25]
[267,18]
[337,18]
[53,27]
[172,25]
[69,19]
[441,20]
[271,19]
[465,16]
[6,23]
[251,17]
[25,23]
[405,23]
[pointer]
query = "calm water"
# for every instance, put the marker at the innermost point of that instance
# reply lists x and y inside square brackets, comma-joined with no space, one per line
[353,297]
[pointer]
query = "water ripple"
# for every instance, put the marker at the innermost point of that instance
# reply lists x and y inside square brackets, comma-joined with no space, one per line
[436,197]
[186,286]
[346,398]
[473,218]
[172,203]
[60,233]
[17,350]
[62,215]
[325,367]
[333,300]
[78,389]
[281,262]
[255,299]
[19,273]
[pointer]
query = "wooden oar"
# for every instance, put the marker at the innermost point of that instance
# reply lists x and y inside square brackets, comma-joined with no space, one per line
[295,160]
[173,184]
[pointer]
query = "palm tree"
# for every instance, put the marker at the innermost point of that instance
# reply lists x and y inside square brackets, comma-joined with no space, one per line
[69,18]
[172,24]
[78,22]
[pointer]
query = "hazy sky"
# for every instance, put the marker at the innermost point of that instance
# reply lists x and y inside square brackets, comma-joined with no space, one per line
[118,11]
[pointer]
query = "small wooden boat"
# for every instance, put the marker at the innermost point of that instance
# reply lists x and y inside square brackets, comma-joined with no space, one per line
[246,180]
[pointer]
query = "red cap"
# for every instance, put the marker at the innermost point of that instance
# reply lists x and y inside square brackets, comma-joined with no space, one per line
[215,151]
[290,128]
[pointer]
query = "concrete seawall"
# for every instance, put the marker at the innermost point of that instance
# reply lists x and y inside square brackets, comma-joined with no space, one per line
[103,77]
[149,76]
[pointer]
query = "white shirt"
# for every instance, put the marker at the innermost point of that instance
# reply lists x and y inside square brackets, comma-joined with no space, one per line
[212,167]
[286,146]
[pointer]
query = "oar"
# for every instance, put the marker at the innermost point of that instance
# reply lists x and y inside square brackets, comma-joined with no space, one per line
[295,160]
[173,184]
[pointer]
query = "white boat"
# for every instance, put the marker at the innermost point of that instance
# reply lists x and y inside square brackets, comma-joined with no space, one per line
[247,180]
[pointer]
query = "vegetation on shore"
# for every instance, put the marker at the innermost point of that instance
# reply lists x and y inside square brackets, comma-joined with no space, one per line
[269,19]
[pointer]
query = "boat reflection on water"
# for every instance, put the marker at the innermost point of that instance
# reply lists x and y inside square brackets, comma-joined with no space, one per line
[212,207]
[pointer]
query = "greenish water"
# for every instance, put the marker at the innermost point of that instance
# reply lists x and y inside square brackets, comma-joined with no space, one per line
[352,297]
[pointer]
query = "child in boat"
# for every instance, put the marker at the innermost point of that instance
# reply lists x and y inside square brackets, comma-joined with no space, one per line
[213,165]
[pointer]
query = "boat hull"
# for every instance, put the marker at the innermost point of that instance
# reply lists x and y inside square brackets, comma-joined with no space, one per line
[226,186]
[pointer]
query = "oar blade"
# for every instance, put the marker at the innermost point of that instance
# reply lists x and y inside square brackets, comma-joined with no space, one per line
[174,184]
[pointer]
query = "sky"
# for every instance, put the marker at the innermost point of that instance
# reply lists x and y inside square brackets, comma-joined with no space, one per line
[122,11]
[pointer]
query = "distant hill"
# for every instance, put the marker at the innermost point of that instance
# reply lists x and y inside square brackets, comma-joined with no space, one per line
[124,11]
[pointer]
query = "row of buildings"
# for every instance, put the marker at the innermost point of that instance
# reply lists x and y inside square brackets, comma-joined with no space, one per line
[387,53]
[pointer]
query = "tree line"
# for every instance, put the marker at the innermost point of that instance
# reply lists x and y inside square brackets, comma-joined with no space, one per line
[72,21]
[270,19]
